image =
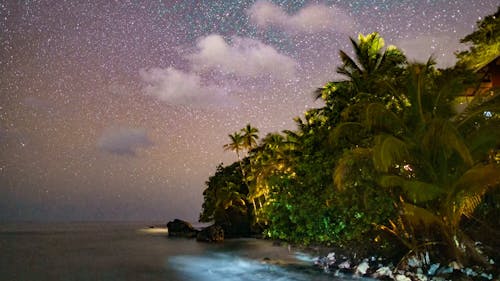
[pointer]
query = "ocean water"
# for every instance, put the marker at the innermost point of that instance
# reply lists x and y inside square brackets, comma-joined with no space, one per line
[131,251]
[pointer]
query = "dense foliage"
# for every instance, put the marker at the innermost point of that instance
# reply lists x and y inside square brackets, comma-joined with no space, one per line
[485,43]
[389,155]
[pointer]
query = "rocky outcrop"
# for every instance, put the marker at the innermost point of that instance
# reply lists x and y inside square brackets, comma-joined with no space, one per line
[417,267]
[235,222]
[213,233]
[180,228]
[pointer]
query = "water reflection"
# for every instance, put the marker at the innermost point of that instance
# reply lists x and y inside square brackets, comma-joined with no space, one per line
[222,267]
[124,251]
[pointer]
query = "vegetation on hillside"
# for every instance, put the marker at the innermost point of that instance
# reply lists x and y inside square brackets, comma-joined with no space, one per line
[389,160]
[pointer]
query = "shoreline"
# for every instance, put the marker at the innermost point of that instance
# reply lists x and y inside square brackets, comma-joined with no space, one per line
[348,262]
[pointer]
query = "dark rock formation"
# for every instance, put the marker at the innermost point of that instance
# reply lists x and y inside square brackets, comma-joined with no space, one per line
[235,222]
[180,228]
[213,233]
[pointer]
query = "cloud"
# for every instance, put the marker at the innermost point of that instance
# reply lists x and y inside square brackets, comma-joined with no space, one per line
[123,141]
[228,63]
[180,88]
[243,57]
[310,19]
[420,48]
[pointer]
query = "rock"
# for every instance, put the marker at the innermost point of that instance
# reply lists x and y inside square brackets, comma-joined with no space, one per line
[331,256]
[487,276]
[455,265]
[433,269]
[401,277]
[362,268]
[382,272]
[421,277]
[213,233]
[180,228]
[236,222]
[345,265]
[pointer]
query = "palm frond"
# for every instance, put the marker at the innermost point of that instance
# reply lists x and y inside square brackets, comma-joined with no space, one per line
[389,181]
[483,139]
[478,106]
[442,136]
[419,217]
[349,65]
[345,163]
[417,191]
[379,117]
[478,179]
[416,87]
[388,151]
[349,131]
[468,204]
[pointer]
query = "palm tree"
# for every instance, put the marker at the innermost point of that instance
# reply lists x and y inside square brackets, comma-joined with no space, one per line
[250,137]
[271,160]
[228,196]
[265,161]
[371,59]
[485,43]
[236,144]
[427,162]
[246,140]
[372,75]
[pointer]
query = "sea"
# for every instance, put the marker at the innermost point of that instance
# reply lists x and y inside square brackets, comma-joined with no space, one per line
[134,251]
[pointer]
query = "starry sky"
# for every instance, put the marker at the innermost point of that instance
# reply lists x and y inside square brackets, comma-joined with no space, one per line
[118,110]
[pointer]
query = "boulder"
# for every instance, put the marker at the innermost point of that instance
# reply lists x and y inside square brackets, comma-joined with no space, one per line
[180,228]
[213,233]
[235,222]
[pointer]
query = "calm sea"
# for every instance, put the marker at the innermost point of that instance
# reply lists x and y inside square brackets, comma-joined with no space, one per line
[130,251]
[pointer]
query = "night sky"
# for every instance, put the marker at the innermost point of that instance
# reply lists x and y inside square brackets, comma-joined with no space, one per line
[118,110]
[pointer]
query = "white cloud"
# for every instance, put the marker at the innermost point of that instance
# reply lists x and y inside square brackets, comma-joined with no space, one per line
[239,60]
[420,48]
[179,88]
[310,19]
[123,141]
[243,57]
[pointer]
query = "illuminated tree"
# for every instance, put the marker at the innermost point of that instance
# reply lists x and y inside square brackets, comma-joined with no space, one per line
[427,162]
[485,43]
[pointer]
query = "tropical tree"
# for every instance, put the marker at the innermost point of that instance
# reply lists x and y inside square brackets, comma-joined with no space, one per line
[485,43]
[371,60]
[237,144]
[250,136]
[246,139]
[225,201]
[271,161]
[427,163]
[225,189]
[373,74]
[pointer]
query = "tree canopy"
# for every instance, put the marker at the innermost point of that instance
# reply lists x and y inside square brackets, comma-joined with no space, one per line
[388,161]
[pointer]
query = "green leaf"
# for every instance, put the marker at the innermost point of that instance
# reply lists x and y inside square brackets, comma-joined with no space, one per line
[441,135]
[478,179]
[420,217]
[388,151]
[346,130]
[417,191]
[378,117]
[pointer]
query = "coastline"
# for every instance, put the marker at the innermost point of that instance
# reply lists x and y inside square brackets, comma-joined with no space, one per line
[345,262]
